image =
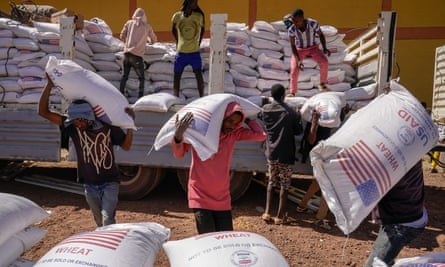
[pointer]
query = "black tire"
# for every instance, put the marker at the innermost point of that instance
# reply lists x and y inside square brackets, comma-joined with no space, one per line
[3,163]
[183,178]
[138,181]
[239,182]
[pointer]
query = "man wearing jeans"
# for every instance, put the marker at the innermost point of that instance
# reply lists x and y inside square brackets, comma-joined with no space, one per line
[94,141]
[402,215]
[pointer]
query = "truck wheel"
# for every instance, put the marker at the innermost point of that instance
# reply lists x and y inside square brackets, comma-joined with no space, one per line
[138,181]
[239,182]
[3,163]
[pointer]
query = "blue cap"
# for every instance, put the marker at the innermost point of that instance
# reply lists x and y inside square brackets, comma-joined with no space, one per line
[79,111]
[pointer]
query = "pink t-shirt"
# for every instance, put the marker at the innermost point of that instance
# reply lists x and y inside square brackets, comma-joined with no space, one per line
[209,181]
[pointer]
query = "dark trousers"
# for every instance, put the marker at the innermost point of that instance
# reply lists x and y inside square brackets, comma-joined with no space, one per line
[137,63]
[208,221]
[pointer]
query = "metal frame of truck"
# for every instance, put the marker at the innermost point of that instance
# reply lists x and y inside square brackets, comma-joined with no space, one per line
[25,136]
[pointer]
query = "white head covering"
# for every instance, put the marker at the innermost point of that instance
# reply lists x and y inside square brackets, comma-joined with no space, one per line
[139,15]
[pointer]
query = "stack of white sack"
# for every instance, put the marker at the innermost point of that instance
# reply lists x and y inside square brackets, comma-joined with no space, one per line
[160,70]
[268,53]
[17,218]
[370,153]
[105,49]
[115,245]
[221,249]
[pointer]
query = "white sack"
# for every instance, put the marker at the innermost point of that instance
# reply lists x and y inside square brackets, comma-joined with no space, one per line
[115,245]
[361,93]
[369,154]
[244,69]
[308,93]
[19,243]
[9,97]
[240,79]
[24,55]
[96,25]
[79,83]
[208,113]
[6,42]
[9,85]
[158,102]
[22,263]
[247,91]
[425,260]
[328,104]
[16,213]
[223,249]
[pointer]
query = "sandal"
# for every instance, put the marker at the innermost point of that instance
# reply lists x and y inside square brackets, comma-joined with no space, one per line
[323,224]
[323,87]
[303,210]
[266,217]
[279,221]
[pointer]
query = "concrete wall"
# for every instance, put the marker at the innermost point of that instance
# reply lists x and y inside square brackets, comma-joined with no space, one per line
[421,27]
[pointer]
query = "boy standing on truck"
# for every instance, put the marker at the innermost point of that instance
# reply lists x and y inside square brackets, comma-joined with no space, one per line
[135,34]
[209,180]
[188,30]
[94,142]
[281,123]
[303,33]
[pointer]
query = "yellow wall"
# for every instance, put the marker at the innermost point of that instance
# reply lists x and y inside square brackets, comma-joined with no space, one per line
[424,13]
[349,14]
[416,61]
[414,52]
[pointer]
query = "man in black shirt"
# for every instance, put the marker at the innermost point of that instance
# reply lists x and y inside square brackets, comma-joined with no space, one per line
[281,123]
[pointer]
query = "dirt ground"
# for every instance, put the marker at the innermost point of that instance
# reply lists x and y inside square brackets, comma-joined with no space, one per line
[301,242]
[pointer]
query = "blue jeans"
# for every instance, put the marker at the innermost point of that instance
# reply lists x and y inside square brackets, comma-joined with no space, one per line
[390,241]
[102,200]
[208,221]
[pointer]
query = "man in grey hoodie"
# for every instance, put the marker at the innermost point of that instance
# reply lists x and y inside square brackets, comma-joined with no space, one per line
[135,33]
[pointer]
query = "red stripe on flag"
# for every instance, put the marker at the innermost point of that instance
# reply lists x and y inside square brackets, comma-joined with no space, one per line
[95,239]
[347,168]
[378,164]
[98,110]
[361,177]
[202,113]
[106,239]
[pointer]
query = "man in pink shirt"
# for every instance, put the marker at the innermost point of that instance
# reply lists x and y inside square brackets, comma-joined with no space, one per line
[209,180]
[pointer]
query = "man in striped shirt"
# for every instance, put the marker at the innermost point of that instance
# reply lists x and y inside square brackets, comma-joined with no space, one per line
[303,34]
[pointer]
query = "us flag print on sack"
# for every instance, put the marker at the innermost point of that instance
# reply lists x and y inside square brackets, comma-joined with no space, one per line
[115,245]
[201,118]
[366,171]
[105,239]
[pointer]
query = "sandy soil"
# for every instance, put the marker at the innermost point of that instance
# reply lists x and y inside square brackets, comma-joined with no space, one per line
[301,242]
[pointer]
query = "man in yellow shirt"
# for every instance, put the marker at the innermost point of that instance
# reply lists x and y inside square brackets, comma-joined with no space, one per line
[188,29]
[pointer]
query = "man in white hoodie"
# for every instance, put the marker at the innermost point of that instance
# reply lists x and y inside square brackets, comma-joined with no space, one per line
[135,33]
